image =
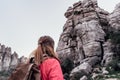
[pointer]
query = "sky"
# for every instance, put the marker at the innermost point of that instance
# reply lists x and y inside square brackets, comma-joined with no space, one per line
[22,22]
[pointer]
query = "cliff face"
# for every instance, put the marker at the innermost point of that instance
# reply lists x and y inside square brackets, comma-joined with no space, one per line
[86,40]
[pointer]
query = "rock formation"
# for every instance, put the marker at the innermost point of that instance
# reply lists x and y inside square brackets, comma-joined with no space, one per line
[8,61]
[88,47]
[85,40]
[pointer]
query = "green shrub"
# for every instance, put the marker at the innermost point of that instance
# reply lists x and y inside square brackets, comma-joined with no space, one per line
[115,37]
[67,65]
[4,73]
[113,65]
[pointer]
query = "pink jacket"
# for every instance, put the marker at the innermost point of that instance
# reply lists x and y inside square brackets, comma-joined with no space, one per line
[51,70]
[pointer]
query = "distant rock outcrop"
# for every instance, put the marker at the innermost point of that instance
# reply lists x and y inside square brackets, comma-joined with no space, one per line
[8,61]
[86,40]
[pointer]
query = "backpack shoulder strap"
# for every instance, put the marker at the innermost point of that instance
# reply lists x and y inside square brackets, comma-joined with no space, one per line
[28,71]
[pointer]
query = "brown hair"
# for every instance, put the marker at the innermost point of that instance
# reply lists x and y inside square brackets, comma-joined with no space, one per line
[45,46]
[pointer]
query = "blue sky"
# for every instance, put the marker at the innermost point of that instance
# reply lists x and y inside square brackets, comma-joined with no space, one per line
[22,22]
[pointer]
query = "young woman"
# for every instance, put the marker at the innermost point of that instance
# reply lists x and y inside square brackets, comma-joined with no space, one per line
[48,60]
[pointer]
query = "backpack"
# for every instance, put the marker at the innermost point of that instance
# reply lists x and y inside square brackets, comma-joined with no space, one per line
[26,71]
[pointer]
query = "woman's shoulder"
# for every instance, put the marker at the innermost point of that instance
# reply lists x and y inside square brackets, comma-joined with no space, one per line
[50,61]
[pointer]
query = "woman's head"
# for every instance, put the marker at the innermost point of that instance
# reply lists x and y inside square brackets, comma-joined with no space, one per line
[45,46]
[46,40]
